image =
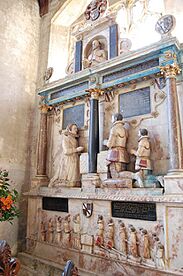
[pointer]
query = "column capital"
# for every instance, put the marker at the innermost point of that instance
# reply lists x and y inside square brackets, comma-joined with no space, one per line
[95,93]
[44,108]
[170,70]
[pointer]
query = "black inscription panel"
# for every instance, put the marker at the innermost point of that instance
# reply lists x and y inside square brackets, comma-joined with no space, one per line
[134,210]
[74,115]
[55,204]
[135,103]
[132,70]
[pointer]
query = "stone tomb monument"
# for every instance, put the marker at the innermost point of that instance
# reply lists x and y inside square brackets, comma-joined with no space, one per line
[108,195]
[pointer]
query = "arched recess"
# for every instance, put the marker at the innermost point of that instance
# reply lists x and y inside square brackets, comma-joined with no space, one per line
[61,46]
[103,42]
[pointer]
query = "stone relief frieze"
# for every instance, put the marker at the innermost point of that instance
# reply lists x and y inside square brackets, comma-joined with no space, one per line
[109,238]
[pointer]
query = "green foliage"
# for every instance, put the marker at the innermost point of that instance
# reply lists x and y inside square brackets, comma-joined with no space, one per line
[8,199]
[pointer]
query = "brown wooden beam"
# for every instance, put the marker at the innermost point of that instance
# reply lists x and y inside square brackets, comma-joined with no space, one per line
[43,7]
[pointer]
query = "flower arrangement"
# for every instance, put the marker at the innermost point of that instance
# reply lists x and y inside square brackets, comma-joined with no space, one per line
[8,199]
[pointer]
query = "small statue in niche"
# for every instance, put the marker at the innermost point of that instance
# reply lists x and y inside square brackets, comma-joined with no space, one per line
[110,234]
[77,232]
[123,238]
[50,230]
[118,157]
[133,244]
[66,239]
[68,166]
[100,234]
[146,244]
[96,56]
[58,229]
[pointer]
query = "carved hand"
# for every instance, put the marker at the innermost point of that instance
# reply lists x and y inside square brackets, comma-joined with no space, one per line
[80,149]
[132,151]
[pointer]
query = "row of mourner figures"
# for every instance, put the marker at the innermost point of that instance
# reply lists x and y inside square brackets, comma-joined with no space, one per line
[68,172]
[131,245]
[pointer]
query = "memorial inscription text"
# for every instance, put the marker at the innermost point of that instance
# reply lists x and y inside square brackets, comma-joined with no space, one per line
[134,210]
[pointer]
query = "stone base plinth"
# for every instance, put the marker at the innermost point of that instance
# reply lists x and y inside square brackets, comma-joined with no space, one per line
[173,184]
[39,181]
[104,266]
[117,183]
[90,181]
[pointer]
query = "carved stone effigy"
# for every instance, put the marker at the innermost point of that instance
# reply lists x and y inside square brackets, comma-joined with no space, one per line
[96,55]
[8,265]
[76,236]
[110,235]
[66,238]
[58,229]
[117,211]
[67,172]
[123,239]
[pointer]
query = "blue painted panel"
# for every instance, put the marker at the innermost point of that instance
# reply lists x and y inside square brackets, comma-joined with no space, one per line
[78,56]
[71,91]
[131,70]
[113,40]
[131,77]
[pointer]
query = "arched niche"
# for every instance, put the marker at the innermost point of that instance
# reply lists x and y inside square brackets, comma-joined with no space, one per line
[103,42]
[61,45]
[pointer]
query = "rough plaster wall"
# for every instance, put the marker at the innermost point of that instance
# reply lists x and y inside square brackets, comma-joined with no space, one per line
[19,37]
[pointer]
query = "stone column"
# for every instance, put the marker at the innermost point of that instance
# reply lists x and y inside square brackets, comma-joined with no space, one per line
[93,147]
[42,142]
[174,127]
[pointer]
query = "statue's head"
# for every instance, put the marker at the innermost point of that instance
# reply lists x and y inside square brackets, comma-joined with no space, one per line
[73,129]
[143,132]
[117,117]
[95,44]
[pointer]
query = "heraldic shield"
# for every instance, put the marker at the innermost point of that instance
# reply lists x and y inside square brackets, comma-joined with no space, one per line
[87,209]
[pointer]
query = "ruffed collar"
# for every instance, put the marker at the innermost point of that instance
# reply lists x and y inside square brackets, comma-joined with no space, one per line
[142,137]
[118,122]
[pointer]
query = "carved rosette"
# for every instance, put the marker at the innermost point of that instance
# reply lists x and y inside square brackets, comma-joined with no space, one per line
[170,70]
[95,93]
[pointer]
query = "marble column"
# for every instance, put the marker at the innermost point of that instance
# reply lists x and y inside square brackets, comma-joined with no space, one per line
[93,147]
[42,142]
[174,127]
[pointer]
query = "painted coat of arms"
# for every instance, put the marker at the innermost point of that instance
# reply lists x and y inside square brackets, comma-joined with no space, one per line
[95,9]
[87,209]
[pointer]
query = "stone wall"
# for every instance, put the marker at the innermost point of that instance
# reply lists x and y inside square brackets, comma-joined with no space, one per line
[19,36]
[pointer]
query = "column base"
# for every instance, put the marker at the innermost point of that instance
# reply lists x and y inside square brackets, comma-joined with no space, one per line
[173,183]
[39,181]
[176,172]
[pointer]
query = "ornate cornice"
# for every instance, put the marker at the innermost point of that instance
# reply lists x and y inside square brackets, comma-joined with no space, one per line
[170,70]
